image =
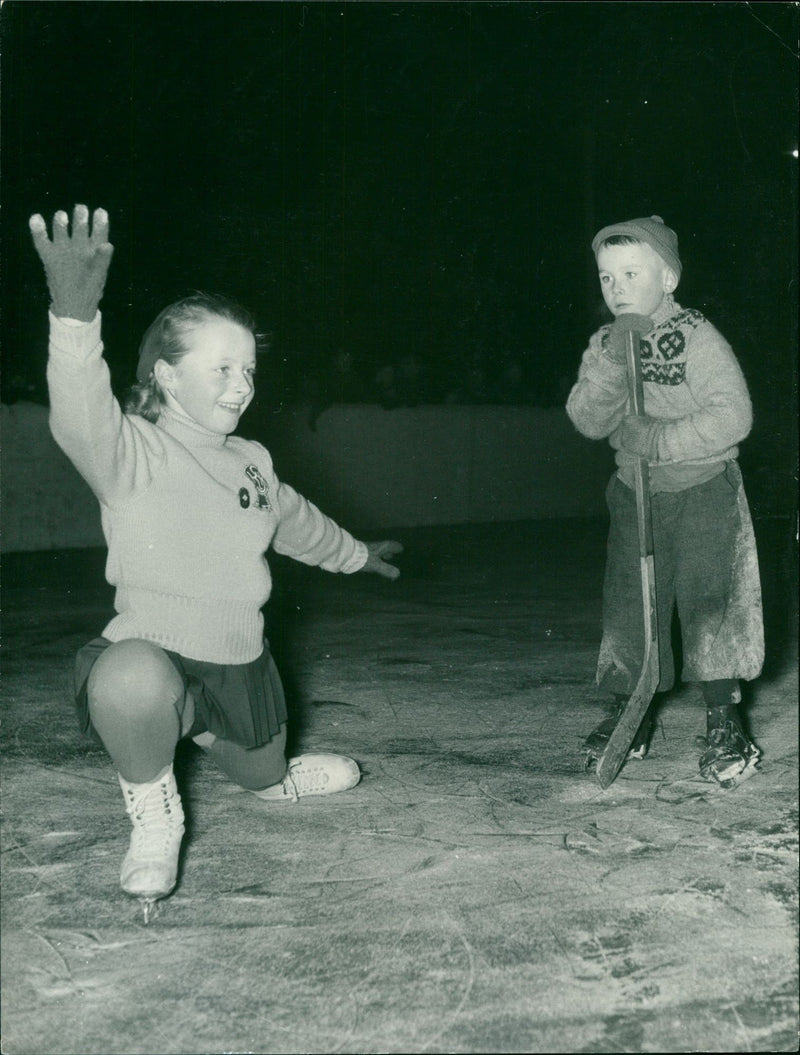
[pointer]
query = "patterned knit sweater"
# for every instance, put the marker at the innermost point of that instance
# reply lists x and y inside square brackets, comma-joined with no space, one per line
[694,393]
[187,514]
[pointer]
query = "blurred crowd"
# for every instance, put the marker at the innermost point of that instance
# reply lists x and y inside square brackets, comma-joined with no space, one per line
[409,381]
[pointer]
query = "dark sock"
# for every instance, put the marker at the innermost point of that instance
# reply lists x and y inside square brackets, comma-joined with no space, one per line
[722,693]
[722,700]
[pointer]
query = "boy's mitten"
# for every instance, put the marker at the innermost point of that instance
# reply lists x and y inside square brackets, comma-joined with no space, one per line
[615,345]
[639,436]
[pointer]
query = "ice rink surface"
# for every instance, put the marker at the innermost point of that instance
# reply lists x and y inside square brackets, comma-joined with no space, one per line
[477,892]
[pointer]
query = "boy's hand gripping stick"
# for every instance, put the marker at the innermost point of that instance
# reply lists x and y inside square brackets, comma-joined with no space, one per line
[635,709]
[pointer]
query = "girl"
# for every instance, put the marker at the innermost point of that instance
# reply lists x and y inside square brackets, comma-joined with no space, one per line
[188,511]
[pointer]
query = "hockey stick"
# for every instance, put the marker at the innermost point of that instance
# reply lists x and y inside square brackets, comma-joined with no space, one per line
[635,709]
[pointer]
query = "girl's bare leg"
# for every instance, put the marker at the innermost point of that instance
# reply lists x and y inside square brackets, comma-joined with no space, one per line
[140,708]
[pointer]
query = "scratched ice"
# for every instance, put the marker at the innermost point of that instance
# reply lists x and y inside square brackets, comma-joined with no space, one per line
[476,892]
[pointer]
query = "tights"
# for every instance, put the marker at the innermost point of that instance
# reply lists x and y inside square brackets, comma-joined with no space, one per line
[140,707]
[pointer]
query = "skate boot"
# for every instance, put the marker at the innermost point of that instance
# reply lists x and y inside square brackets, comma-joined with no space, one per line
[313,775]
[150,867]
[596,742]
[730,755]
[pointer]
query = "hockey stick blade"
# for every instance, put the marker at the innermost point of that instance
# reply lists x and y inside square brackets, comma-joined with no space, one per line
[626,728]
[640,699]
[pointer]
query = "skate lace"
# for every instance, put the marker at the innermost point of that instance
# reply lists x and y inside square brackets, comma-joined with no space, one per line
[157,819]
[303,780]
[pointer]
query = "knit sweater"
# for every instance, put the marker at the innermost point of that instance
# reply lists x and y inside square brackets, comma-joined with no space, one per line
[695,397]
[187,514]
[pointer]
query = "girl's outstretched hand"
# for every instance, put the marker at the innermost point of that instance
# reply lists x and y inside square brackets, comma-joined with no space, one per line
[376,551]
[76,265]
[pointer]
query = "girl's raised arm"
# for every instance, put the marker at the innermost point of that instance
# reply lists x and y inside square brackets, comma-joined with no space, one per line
[112,455]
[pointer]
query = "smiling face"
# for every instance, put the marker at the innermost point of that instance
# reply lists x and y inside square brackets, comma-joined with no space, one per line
[634,278]
[214,381]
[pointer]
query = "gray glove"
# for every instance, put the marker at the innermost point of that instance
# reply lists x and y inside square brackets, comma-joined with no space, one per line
[75,265]
[615,348]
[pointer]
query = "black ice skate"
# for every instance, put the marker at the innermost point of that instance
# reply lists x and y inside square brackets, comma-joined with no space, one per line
[730,755]
[595,743]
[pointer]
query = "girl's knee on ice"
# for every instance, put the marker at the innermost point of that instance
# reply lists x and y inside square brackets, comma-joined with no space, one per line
[252,768]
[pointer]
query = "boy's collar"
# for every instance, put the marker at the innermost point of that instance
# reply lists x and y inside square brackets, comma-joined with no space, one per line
[666,309]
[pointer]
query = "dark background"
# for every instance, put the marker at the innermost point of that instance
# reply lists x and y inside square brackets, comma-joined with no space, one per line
[410,185]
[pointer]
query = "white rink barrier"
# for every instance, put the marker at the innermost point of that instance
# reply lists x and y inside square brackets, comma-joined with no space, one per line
[367,467]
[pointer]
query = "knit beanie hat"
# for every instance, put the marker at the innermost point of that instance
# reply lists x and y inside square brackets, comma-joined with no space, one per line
[648,229]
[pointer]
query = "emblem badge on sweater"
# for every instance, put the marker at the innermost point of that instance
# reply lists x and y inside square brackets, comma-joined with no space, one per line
[262,490]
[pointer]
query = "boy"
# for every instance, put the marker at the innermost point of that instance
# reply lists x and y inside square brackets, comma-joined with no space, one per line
[697,409]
